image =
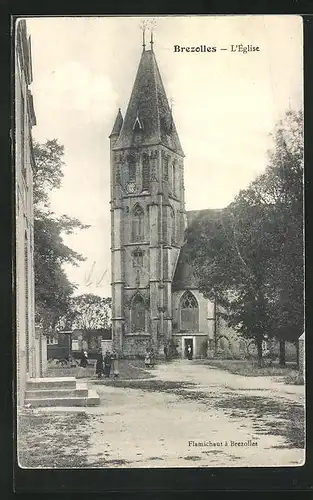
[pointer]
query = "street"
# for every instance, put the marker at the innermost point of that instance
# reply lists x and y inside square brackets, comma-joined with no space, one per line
[189,415]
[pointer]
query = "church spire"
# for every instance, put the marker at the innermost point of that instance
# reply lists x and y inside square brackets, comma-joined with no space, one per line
[117,124]
[149,106]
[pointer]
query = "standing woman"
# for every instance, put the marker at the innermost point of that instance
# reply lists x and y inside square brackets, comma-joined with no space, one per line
[84,358]
[107,364]
[115,364]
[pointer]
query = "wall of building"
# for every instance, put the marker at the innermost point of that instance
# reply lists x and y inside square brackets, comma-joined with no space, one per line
[28,346]
[153,278]
[206,313]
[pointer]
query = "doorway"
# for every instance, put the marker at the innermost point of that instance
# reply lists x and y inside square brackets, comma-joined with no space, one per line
[188,347]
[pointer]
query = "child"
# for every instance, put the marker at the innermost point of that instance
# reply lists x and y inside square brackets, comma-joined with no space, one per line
[147,359]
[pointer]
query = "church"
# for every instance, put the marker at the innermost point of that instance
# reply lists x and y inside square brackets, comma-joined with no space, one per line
[155,299]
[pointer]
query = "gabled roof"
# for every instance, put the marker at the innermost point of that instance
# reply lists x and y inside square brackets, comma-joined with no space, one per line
[148,106]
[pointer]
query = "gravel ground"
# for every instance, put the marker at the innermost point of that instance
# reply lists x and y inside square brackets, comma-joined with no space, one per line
[187,415]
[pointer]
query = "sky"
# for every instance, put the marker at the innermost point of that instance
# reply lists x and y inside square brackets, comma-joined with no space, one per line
[225,105]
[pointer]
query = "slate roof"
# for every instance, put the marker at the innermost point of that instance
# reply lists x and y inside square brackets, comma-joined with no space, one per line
[117,124]
[148,107]
[184,277]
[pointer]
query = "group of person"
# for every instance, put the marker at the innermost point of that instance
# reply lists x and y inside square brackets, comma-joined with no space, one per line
[107,364]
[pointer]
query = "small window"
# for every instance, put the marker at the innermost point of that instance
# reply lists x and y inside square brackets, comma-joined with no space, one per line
[131,169]
[75,345]
[174,173]
[52,340]
[172,226]
[165,168]
[145,173]
[137,224]
[138,258]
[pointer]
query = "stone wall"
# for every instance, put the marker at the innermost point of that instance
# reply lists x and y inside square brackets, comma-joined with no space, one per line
[27,344]
[135,345]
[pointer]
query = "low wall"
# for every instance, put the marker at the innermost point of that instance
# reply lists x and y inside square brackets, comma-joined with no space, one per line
[135,345]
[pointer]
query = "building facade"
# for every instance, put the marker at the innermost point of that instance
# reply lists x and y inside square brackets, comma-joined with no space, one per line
[30,344]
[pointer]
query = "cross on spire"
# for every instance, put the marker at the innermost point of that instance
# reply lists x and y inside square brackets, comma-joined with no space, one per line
[143,26]
[152,23]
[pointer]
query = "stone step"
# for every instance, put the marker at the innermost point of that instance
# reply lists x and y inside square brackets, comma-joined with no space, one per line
[79,391]
[51,383]
[92,399]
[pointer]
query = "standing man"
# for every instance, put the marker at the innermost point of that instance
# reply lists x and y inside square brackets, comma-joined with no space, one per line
[189,352]
[166,352]
[107,364]
[99,364]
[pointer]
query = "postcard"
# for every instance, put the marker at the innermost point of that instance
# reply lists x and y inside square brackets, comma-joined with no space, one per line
[159,242]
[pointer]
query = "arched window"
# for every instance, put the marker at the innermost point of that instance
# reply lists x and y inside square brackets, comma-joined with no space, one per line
[131,168]
[172,226]
[137,223]
[189,313]
[174,177]
[145,173]
[138,314]
[165,168]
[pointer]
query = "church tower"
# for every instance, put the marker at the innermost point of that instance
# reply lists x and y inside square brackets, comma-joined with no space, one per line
[147,214]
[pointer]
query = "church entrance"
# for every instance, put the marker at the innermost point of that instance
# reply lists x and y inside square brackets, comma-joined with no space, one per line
[188,347]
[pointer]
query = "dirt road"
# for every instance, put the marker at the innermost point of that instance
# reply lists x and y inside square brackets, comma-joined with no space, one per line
[197,416]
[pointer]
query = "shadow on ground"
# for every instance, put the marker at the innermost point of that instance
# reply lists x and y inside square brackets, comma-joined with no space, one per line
[281,418]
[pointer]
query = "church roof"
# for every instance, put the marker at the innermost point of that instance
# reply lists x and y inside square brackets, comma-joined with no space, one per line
[117,124]
[184,277]
[148,119]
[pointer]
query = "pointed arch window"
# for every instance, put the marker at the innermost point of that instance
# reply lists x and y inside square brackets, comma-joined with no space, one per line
[145,173]
[165,168]
[131,168]
[137,223]
[174,178]
[189,313]
[172,226]
[138,314]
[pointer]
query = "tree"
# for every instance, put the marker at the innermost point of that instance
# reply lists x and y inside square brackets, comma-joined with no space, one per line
[227,254]
[48,170]
[88,313]
[250,256]
[52,287]
[281,189]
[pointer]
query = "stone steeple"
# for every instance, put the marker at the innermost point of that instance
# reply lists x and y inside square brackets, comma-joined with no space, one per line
[147,213]
[148,119]
[117,124]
